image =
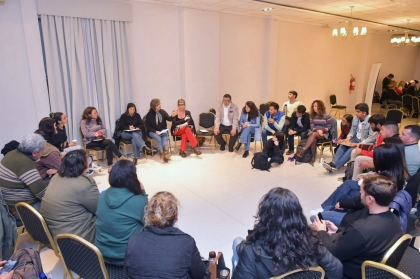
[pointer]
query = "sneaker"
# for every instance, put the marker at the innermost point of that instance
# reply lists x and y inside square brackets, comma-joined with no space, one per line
[95,167]
[327,166]
[290,152]
[246,153]
[89,172]
[316,211]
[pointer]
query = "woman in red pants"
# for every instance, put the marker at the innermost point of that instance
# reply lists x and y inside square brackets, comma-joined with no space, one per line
[183,126]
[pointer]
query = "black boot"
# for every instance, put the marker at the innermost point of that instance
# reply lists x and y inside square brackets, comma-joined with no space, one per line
[246,153]
[238,146]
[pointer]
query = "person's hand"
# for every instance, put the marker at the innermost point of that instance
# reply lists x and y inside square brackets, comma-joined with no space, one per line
[320,132]
[72,143]
[185,124]
[96,134]
[319,225]
[245,125]
[291,132]
[233,132]
[174,113]
[158,133]
[186,118]
[8,275]
[353,144]
[131,127]
[331,227]
[337,206]
[51,172]
[270,120]
[364,164]
[216,131]
[340,141]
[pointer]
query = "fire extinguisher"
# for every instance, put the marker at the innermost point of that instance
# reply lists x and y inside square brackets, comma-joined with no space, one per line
[352,83]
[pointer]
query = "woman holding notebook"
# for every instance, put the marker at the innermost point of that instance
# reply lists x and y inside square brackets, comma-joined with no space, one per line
[183,126]
[157,129]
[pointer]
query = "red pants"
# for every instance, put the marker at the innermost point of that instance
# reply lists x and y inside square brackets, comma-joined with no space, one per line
[186,136]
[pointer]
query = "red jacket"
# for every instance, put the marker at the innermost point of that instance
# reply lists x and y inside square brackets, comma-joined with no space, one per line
[379,141]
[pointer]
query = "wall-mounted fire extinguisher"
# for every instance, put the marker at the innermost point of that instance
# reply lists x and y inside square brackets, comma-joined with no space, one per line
[352,83]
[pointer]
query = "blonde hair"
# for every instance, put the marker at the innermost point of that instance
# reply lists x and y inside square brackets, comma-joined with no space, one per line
[181,101]
[162,210]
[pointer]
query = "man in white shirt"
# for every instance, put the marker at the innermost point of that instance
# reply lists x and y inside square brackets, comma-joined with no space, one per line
[227,121]
[290,106]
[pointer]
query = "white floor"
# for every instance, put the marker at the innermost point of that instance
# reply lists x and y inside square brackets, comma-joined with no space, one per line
[219,194]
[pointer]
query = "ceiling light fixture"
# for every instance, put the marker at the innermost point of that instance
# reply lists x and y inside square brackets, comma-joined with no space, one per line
[405,39]
[355,34]
[267,9]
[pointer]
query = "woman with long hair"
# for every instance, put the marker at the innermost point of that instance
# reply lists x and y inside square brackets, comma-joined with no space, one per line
[170,252]
[61,138]
[157,128]
[250,122]
[183,126]
[120,212]
[320,127]
[281,241]
[94,133]
[388,158]
[132,127]
[50,161]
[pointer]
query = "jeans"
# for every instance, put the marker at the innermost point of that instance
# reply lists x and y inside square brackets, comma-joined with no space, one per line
[246,136]
[264,135]
[137,141]
[235,257]
[291,138]
[333,216]
[349,189]
[161,140]
[343,154]
[36,206]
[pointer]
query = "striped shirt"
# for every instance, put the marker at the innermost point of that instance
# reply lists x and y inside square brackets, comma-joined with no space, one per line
[19,180]
[321,123]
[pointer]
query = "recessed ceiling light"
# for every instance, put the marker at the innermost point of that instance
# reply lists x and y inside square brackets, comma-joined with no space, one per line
[267,9]
[392,30]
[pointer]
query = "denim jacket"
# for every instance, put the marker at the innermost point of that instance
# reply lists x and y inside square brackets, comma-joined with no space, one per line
[368,135]
[8,231]
[256,123]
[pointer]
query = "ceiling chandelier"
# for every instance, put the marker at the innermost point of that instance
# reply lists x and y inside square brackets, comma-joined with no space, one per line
[405,40]
[344,32]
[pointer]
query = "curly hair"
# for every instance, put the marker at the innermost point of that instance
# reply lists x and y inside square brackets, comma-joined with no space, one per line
[162,210]
[253,113]
[282,231]
[321,109]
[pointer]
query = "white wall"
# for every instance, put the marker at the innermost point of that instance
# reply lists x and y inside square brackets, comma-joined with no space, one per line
[23,90]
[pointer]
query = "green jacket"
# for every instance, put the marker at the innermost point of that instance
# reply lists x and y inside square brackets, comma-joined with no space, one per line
[120,214]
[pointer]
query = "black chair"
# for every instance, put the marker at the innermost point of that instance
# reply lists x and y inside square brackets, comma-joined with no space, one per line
[312,273]
[374,270]
[334,105]
[410,262]
[206,121]
[407,105]
[413,187]
[416,109]
[395,115]
[85,259]
[394,254]
[36,227]
[264,108]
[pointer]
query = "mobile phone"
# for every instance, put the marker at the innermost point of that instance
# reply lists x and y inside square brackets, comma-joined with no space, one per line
[320,217]
[8,267]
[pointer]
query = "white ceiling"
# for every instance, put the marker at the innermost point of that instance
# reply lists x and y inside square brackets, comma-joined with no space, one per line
[388,12]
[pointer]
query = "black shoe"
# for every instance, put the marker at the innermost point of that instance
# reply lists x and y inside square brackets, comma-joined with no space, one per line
[230,149]
[290,152]
[223,147]
[147,149]
[246,153]
[332,164]
[238,146]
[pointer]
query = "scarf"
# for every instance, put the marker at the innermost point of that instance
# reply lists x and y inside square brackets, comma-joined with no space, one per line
[158,117]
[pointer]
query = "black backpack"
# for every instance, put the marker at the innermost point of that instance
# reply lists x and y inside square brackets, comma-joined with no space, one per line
[260,161]
[306,156]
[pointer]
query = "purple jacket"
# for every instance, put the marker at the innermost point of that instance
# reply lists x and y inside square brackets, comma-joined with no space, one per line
[89,130]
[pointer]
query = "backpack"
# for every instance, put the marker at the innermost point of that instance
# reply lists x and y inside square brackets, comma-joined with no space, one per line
[260,161]
[306,156]
[28,264]
[348,174]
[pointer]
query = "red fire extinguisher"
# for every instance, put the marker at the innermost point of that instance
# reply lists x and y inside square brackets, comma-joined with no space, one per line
[352,83]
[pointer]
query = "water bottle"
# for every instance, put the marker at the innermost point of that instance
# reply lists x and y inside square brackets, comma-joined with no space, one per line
[42,276]
[285,110]
[212,256]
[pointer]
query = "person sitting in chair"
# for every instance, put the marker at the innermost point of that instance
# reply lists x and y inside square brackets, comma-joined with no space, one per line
[299,125]
[227,120]
[273,121]
[320,127]
[251,125]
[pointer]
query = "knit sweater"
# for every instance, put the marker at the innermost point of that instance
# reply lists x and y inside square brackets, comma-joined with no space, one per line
[89,130]
[20,180]
[50,159]
[321,123]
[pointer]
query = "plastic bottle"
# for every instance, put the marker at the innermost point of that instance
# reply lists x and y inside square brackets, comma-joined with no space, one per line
[42,276]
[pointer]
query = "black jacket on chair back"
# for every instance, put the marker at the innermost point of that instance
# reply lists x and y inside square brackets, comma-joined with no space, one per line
[166,253]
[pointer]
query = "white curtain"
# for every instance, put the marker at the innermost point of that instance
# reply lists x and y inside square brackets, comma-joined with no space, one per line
[88,64]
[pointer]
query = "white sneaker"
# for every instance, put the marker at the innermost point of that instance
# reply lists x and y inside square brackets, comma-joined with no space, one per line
[316,211]
[95,167]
